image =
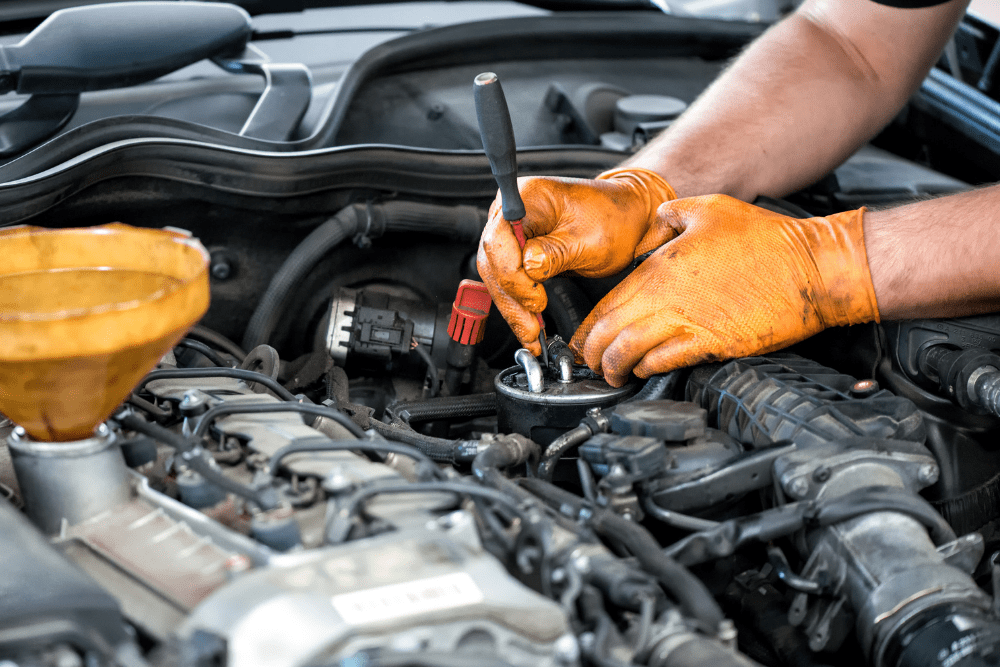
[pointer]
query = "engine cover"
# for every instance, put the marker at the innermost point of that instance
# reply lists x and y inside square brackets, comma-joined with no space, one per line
[430,590]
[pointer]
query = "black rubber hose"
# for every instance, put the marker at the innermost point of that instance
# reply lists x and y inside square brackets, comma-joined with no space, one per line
[224,409]
[350,507]
[432,370]
[729,536]
[695,600]
[504,452]
[458,222]
[676,519]
[447,407]
[236,373]
[303,258]
[657,387]
[203,350]
[327,445]
[438,449]
[214,338]
[558,448]
[193,457]
[166,436]
[690,593]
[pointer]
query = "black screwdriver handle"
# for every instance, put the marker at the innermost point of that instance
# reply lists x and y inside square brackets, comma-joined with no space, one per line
[498,140]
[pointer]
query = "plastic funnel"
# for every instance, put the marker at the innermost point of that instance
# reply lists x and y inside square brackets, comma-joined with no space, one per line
[84,314]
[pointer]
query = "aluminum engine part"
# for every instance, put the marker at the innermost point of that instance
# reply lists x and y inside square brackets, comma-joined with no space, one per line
[880,568]
[158,557]
[283,612]
[544,415]
[68,481]
[428,589]
[883,564]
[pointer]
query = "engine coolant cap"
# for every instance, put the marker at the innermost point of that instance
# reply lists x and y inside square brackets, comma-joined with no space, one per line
[84,314]
[468,313]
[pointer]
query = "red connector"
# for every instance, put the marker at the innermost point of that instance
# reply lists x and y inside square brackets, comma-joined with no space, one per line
[468,313]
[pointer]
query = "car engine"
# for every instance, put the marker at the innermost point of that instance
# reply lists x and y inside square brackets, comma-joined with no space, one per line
[349,461]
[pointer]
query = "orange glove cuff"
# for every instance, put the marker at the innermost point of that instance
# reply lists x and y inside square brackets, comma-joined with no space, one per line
[837,243]
[657,190]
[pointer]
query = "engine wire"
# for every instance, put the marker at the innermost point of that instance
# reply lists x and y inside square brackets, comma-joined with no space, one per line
[432,371]
[327,445]
[224,409]
[236,373]
[203,350]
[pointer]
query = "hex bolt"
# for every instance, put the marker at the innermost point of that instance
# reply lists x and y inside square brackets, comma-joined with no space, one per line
[567,650]
[928,473]
[237,563]
[821,474]
[337,482]
[727,633]
[798,487]
[221,268]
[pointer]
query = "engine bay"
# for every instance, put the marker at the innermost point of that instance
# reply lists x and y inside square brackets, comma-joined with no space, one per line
[350,461]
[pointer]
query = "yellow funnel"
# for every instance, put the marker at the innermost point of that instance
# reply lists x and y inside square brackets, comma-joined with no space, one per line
[84,314]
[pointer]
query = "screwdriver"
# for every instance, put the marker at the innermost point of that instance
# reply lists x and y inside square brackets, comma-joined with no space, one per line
[498,140]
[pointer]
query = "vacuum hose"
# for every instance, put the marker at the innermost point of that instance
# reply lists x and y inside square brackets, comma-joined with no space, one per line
[462,223]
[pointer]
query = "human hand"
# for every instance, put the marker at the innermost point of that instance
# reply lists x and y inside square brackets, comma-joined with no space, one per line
[591,227]
[737,280]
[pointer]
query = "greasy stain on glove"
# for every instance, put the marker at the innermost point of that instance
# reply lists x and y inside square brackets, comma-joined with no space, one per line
[589,227]
[735,280]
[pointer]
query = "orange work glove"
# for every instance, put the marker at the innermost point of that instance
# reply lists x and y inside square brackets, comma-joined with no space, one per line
[591,227]
[737,280]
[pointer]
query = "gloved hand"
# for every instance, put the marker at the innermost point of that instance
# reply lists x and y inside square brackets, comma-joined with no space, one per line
[591,227]
[737,280]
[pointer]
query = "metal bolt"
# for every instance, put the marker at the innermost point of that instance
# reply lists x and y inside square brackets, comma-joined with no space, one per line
[191,400]
[727,633]
[65,657]
[221,268]
[566,650]
[821,474]
[928,473]
[337,482]
[582,564]
[864,388]
[237,563]
[558,575]
[798,487]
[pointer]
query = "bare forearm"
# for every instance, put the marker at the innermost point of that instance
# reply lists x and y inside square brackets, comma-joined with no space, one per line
[800,100]
[936,258]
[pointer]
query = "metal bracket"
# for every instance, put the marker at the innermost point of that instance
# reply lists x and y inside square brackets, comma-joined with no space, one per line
[286,96]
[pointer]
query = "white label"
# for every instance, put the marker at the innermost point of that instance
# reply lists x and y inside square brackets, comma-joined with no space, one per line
[407,599]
